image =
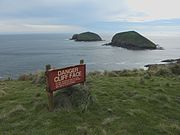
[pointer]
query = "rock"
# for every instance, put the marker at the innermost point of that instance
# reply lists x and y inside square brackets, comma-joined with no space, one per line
[172,60]
[159,47]
[74,37]
[132,40]
[86,36]
[165,63]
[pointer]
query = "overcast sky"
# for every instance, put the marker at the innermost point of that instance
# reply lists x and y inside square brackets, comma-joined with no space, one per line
[72,16]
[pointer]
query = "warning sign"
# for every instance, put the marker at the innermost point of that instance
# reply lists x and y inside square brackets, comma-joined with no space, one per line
[65,77]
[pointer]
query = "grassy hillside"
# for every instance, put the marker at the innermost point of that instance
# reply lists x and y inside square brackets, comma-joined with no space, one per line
[122,103]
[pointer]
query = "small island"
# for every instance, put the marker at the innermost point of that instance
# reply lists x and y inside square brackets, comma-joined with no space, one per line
[132,40]
[86,36]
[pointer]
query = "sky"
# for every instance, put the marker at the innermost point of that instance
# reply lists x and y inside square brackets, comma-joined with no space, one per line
[154,17]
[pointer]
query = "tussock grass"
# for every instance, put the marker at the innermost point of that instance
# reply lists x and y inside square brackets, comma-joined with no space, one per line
[95,73]
[162,97]
[172,69]
[175,69]
[74,97]
[168,128]
[137,112]
[36,78]
[13,112]
[2,83]
[134,72]
[2,93]
[16,109]
[109,120]
[83,130]
[39,106]
[163,72]
[142,81]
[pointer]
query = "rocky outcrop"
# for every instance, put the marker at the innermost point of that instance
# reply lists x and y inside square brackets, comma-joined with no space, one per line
[74,37]
[172,60]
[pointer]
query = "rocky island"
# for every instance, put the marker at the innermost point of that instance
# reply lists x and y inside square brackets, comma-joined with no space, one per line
[86,36]
[132,40]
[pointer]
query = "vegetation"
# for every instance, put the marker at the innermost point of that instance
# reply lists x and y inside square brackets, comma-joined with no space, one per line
[170,69]
[112,103]
[132,40]
[86,36]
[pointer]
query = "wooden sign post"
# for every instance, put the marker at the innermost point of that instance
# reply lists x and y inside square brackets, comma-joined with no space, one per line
[49,92]
[82,62]
[57,79]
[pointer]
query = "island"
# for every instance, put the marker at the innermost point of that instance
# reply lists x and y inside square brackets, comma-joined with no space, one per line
[86,36]
[132,40]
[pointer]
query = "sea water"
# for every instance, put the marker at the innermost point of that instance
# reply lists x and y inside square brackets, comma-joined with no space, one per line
[29,53]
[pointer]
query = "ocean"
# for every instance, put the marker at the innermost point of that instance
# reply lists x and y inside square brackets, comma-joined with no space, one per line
[30,53]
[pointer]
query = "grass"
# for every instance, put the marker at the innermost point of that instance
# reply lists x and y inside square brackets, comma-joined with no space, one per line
[123,104]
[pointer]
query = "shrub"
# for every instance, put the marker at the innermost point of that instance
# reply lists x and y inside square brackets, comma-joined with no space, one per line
[74,97]
[2,93]
[111,73]
[39,78]
[25,77]
[147,76]
[36,78]
[95,73]
[142,81]
[163,72]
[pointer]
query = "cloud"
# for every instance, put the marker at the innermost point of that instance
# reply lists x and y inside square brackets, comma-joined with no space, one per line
[38,28]
[77,9]
[154,9]
[66,15]
[105,10]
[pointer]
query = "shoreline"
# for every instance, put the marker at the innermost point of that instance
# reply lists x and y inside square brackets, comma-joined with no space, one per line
[164,63]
